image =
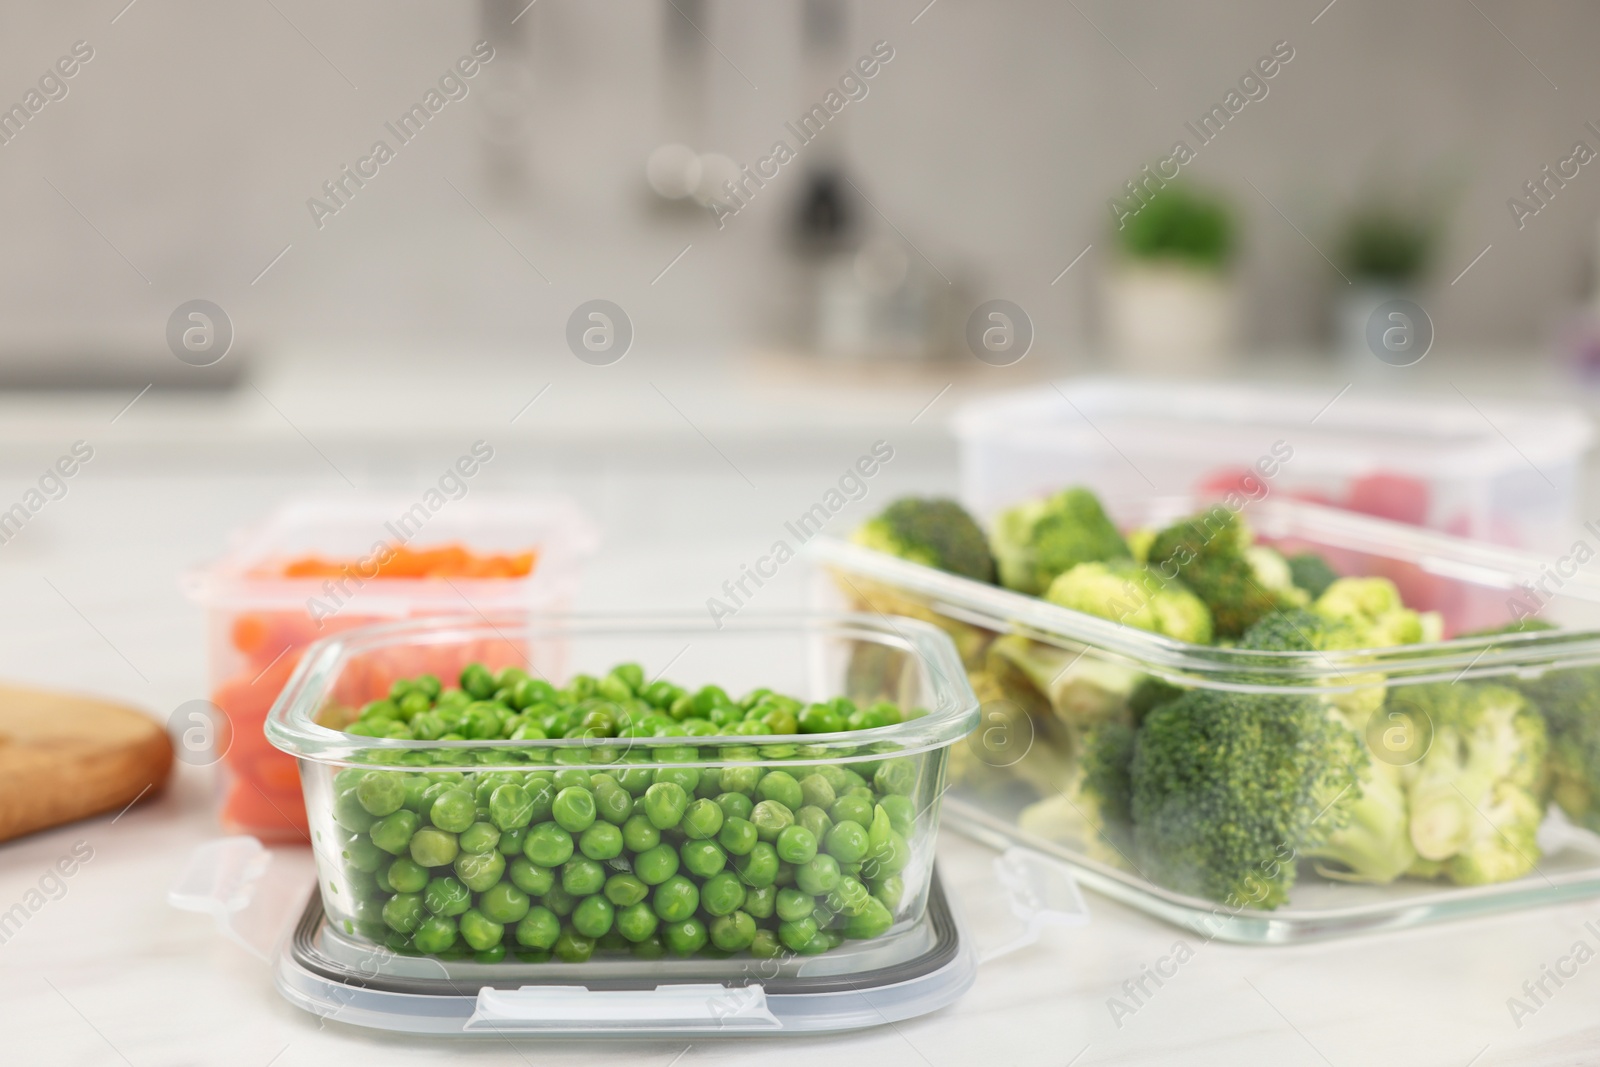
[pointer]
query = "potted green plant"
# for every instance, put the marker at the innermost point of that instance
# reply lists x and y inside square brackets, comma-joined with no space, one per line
[1171,303]
[1386,247]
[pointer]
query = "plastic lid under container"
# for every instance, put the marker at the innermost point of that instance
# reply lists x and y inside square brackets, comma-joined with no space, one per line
[904,974]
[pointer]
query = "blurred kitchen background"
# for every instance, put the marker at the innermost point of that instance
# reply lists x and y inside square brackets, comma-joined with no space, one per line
[1367,155]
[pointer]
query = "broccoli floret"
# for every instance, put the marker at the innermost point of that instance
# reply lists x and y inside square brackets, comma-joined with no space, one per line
[1374,842]
[1569,702]
[1076,690]
[1150,693]
[1228,787]
[1272,574]
[1207,552]
[1134,595]
[1299,630]
[1372,607]
[935,533]
[1139,542]
[1035,541]
[1311,573]
[1476,796]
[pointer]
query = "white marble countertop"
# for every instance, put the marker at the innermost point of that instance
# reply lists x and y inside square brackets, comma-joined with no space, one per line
[110,974]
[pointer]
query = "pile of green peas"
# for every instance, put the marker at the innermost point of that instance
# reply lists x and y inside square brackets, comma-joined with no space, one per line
[511,705]
[593,852]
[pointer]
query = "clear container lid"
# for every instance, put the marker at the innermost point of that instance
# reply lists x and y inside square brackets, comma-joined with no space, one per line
[1472,584]
[1221,421]
[352,527]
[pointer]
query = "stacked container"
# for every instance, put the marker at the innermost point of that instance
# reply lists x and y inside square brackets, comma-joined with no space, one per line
[259,622]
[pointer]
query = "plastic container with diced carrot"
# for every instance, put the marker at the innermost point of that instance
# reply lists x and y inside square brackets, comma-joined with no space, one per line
[317,567]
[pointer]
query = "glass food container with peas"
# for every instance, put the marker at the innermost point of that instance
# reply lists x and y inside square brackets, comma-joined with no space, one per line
[690,801]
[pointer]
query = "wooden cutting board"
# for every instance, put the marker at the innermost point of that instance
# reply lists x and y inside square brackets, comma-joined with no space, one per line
[65,757]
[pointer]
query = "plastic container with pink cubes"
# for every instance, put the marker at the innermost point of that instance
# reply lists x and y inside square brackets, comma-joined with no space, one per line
[1492,472]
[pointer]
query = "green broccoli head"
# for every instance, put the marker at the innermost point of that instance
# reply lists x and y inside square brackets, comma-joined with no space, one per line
[1227,788]
[1374,842]
[1478,791]
[1373,608]
[1569,703]
[1208,553]
[1311,572]
[1299,630]
[1272,573]
[1134,595]
[935,533]
[1035,541]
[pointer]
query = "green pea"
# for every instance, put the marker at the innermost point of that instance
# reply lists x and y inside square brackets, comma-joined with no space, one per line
[675,899]
[416,787]
[572,778]
[446,896]
[735,805]
[436,934]
[574,809]
[850,898]
[512,842]
[889,890]
[613,803]
[407,875]
[733,932]
[381,792]
[477,681]
[560,901]
[582,877]
[702,820]
[818,876]
[624,890]
[760,867]
[765,945]
[887,851]
[530,691]
[637,922]
[492,954]
[740,780]
[685,937]
[796,935]
[781,787]
[363,854]
[722,894]
[530,877]
[638,834]
[898,776]
[601,841]
[479,837]
[548,845]
[796,844]
[538,929]
[433,848]
[479,931]
[873,921]
[479,870]
[454,811]
[814,819]
[348,812]
[664,804]
[794,905]
[573,947]
[655,865]
[363,884]
[858,810]
[761,903]
[815,791]
[593,916]
[738,836]
[510,807]
[770,818]
[504,903]
[846,842]
[702,858]
[542,793]
[820,719]
[685,778]
[901,814]
[404,912]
